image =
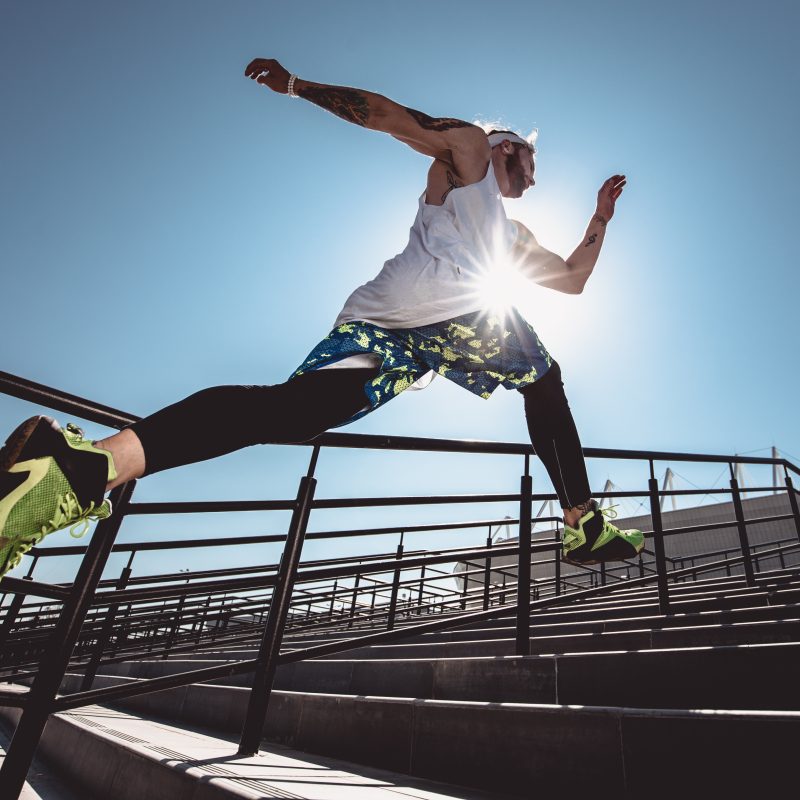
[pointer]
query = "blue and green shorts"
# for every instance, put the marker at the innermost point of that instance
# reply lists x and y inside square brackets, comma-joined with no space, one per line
[477,351]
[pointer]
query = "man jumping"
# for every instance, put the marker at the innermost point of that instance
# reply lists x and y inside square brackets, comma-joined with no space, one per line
[423,314]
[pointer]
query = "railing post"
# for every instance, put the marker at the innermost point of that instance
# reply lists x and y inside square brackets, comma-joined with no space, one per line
[105,631]
[11,615]
[175,625]
[59,647]
[487,575]
[421,592]
[333,601]
[202,626]
[278,611]
[658,544]
[27,577]
[793,504]
[603,573]
[557,561]
[395,587]
[121,639]
[523,647]
[14,606]
[741,526]
[353,602]
[217,619]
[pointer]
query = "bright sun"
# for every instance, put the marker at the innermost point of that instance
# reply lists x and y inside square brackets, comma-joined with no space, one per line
[501,286]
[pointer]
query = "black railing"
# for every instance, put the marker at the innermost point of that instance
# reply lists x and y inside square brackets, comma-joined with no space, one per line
[173,613]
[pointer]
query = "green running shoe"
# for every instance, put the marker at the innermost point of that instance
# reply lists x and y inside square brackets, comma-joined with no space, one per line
[596,540]
[50,477]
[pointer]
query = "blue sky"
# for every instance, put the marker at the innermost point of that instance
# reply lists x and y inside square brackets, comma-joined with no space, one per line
[166,225]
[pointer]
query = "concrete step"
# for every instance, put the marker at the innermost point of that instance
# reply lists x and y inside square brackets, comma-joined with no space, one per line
[685,604]
[541,626]
[113,754]
[44,783]
[692,602]
[622,618]
[787,630]
[721,677]
[511,747]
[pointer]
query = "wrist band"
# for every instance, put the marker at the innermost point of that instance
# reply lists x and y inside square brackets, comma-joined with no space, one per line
[290,92]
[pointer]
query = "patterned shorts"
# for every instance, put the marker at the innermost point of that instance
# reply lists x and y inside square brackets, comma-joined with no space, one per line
[478,351]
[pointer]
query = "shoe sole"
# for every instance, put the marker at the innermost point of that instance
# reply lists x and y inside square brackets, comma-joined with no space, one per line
[596,560]
[574,563]
[19,438]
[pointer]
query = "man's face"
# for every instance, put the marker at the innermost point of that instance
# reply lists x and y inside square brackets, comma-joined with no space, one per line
[520,168]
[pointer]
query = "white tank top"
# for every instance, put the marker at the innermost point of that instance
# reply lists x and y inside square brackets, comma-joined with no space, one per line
[436,277]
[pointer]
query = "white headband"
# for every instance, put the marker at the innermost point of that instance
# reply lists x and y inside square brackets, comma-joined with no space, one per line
[496,138]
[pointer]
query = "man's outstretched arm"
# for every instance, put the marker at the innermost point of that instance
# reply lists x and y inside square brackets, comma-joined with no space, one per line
[570,276]
[440,137]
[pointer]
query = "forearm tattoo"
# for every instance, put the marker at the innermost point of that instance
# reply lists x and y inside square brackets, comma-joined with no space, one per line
[593,237]
[436,124]
[349,104]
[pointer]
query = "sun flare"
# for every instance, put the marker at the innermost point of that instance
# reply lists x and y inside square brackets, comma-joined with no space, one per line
[501,286]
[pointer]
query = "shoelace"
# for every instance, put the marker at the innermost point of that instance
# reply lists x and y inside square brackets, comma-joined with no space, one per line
[68,510]
[610,512]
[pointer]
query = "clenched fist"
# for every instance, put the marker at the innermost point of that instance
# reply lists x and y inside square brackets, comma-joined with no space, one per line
[268,72]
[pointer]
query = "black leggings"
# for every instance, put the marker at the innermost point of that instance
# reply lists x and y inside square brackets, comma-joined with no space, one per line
[555,437]
[222,419]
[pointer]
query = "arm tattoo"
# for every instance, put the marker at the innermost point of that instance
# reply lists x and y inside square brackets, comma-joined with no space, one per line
[591,240]
[439,124]
[452,183]
[349,104]
[602,220]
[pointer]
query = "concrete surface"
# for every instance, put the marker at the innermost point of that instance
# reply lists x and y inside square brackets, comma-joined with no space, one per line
[43,782]
[721,677]
[126,757]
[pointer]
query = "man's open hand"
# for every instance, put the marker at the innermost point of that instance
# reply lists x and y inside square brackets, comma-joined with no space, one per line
[268,72]
[608,194]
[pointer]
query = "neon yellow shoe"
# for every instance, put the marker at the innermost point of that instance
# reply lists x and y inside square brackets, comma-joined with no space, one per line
[596,540]
[50,477]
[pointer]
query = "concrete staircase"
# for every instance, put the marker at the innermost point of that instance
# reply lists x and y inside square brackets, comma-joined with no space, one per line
[615,698]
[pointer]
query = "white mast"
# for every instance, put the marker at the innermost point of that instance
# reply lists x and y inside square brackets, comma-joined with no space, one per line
[668,484]
[776,475]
